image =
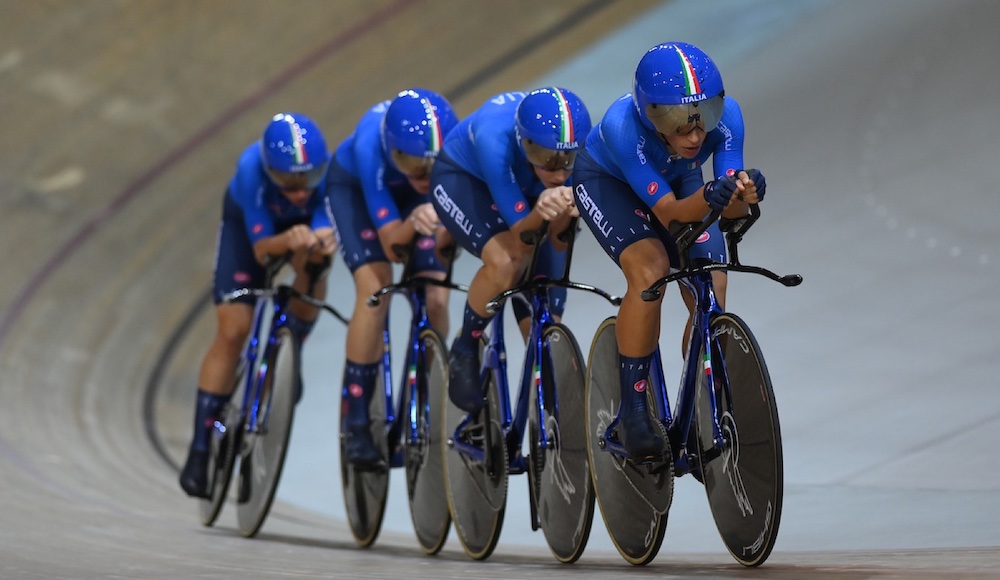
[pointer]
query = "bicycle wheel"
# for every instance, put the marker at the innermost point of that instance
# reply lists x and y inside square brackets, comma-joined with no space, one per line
[476,490]
[744,477]
[634,502]
[365,490]
[560,472]
[423,459]
[263,455]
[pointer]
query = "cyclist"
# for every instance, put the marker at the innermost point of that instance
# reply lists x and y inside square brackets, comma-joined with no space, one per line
[641,170]
[378,183]
[504,171]
[275,204]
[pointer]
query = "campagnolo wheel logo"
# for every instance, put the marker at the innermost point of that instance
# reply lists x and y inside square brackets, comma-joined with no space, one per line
[732,331]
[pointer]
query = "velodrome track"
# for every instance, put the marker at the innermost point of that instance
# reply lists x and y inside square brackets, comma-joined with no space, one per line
[875,123]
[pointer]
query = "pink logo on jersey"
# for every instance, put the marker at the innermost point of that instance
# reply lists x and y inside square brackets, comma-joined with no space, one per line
[703,238]
[241,277]
[519,206]
[382,212]
[258,228]
[368,234]
[355,390]
[477,333]
[730,172]
[493,207]
[642,214]
[425,243]
[652,188]
[640,386]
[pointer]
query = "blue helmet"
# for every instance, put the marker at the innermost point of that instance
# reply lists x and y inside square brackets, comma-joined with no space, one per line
[294,151]
[677,87]
[552,124]
[414,128]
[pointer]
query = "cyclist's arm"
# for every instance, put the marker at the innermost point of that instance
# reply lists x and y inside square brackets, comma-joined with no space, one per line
[382,208]
[727,151]
[495,155]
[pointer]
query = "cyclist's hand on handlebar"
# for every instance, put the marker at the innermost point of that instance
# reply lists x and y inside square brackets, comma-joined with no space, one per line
[299,238]
[555,202]
[425,219]
[720,192]
[755,183]
[326,242]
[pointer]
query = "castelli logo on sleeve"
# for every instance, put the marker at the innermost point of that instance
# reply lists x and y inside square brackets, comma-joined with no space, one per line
[641,214]
[258,228]
[355,390]
[382,212]
[703,238]
[477,333]
[425,243]
[519,206]
[368,234]
[730,172]
[652,188]
[241,277]
[640,386]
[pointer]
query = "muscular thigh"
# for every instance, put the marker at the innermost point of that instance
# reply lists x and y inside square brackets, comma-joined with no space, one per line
[465,206]
[359,243]
[613,212]
[235,264]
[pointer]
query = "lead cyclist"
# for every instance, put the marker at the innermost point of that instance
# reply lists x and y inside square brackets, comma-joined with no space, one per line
[641,169]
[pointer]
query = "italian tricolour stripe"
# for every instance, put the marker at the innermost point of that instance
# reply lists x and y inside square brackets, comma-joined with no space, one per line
[298,143]
[566,131]
[691,83]
[433,125]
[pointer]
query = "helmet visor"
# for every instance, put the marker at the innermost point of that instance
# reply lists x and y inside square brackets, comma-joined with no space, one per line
[411,165]
[548,159]
[297,180]
[673,119]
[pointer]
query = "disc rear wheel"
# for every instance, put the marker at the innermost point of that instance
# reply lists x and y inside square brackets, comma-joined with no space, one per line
[634,501]
[476,490]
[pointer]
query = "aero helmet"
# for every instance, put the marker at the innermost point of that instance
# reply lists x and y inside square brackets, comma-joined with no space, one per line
[294,151]
[676,87]
[552,123]
[414,128]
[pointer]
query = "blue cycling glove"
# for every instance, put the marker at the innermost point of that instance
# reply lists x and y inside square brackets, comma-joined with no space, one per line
[718,193]
[758,181]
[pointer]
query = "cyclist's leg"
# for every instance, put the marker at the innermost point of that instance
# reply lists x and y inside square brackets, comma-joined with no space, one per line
[621,223]
[370,269]
[429,264]
[643,263]
[363,361]
[714,248]
[234,261]
[502,265]
[466,208]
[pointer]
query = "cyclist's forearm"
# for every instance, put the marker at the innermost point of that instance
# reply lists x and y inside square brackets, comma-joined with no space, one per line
[395,233]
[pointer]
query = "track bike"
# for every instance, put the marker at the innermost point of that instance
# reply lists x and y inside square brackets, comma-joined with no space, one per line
[484,448]
[407,434]
[724,430]
[255,425]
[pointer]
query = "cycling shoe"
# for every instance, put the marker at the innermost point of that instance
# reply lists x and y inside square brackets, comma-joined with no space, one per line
[643,440]
[464,387]
[360,449]
[194,476]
